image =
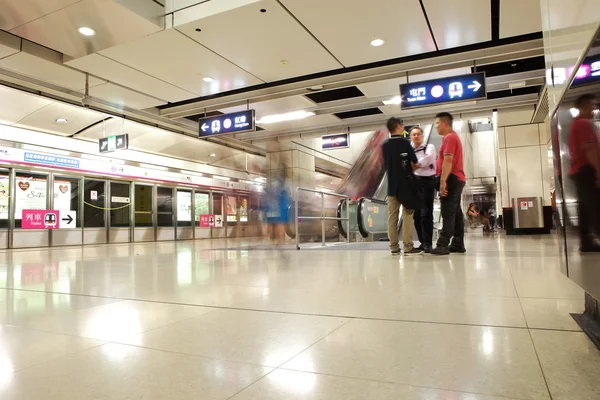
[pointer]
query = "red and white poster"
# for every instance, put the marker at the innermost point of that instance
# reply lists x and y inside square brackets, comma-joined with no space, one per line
[207,220]
[40,219]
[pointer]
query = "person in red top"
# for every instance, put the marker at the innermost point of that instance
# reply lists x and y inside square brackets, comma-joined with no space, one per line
[449,169]
[584,149]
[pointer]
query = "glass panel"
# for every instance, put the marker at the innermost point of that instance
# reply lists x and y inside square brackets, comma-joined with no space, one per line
[243,208]
[164,206]
[30,194]
[143,206]
[184,208]
[232,208]
[119,201]
[4,198]
[66,196]
[94,209]
[218,209]
[201,203]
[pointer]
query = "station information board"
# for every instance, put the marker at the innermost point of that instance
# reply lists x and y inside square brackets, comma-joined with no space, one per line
[242,121]
[444,90]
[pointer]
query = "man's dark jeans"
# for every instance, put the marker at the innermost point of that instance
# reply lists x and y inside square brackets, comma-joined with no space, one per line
[424,215]
[452,215]
[588,196]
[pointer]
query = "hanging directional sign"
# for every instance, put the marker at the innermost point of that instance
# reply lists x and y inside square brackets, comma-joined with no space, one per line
[113,143]
[242,121]
[444,90]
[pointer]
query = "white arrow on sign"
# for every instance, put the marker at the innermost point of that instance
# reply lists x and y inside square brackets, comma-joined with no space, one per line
[104,144]
[475,86]
[205,127]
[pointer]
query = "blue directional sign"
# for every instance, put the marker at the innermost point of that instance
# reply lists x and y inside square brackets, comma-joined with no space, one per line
[444,90]
[242,121]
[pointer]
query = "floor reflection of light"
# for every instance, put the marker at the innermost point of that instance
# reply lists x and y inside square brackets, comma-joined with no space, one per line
[117,352]
[487,342]
[296,382]
[114,324]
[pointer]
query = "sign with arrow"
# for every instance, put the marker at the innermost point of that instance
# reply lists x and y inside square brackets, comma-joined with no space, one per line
[113,143]
[68,220]
[242,121]
[443,90]
[218,221]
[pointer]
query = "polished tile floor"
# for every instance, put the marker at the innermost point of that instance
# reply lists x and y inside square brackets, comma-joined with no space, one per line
[227,320]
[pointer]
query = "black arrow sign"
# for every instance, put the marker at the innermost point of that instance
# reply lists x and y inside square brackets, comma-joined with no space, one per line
[69,219]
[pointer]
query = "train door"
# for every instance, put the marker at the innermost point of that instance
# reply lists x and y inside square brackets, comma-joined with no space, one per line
[94,211]
[165,229]
[202,206]
[218,209]
[143,202]
[4,207]
[66,198]
[244,225]
[184,214]
[120,212]
[30,192]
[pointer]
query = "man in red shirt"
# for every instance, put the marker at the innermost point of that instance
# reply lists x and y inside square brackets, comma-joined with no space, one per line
[584,149]
[449,168]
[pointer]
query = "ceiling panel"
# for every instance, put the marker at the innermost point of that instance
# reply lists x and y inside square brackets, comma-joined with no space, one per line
[275,106]
[459,22]
[192,10]
[45,65]
[9,44]
[172,57]
[388,87]
[124,97]
[113,22]
[17,105]
[44,119]
[18,12]
[519,17]
[347,27]
[113,71]
[270,45]
[309,122]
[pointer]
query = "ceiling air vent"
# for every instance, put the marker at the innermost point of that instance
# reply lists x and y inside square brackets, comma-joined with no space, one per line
[542,108]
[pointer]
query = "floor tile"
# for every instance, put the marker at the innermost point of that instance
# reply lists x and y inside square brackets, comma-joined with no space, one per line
[206,295]
[119,372]
[570,363]
[459,309]
[293,385]
[492,361]
[546,285]
[117,320]
[552,313]
[21,348]
[253,337]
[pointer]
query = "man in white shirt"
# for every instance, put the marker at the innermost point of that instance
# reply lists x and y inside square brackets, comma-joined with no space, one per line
[426,154]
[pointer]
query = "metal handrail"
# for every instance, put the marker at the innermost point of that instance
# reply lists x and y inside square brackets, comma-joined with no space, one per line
[323,218]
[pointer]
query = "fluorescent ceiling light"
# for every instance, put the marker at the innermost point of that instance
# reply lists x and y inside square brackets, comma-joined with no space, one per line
[377,42]
[291,116]
[62,121]
[393,101]
[212,155]
[85,31]
[223,178]
[192,173]
[208,79]
[150,166]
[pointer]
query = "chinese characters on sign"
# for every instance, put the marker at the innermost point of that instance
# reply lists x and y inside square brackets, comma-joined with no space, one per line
[47,159]
[40,219]
[444,90]
[207,220]
[241,121]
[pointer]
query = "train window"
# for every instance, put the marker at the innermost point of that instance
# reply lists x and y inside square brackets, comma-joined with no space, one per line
[94,204]
[120,204]
[66,196]
[30,194]
[184,208]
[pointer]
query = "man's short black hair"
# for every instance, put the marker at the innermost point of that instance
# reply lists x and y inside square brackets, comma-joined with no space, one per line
[447,116]
[584,98]
[393,123]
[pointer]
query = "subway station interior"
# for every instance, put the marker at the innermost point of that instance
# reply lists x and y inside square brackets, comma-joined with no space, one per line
[195,200]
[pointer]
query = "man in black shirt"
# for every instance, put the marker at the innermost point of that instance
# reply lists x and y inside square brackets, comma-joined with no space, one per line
[400,159]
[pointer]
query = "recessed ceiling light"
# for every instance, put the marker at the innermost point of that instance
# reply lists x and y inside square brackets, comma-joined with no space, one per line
[85,31]
[212,155]
[62,121]
[284,62]
[377,42]
[208,79]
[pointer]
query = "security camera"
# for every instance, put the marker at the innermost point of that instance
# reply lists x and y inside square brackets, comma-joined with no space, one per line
[86,102]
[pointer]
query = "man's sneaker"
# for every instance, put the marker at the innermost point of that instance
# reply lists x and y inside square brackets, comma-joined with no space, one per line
[396,252]
[440,251]
[457,249]
[421,247]
[413,252]
[427,249]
